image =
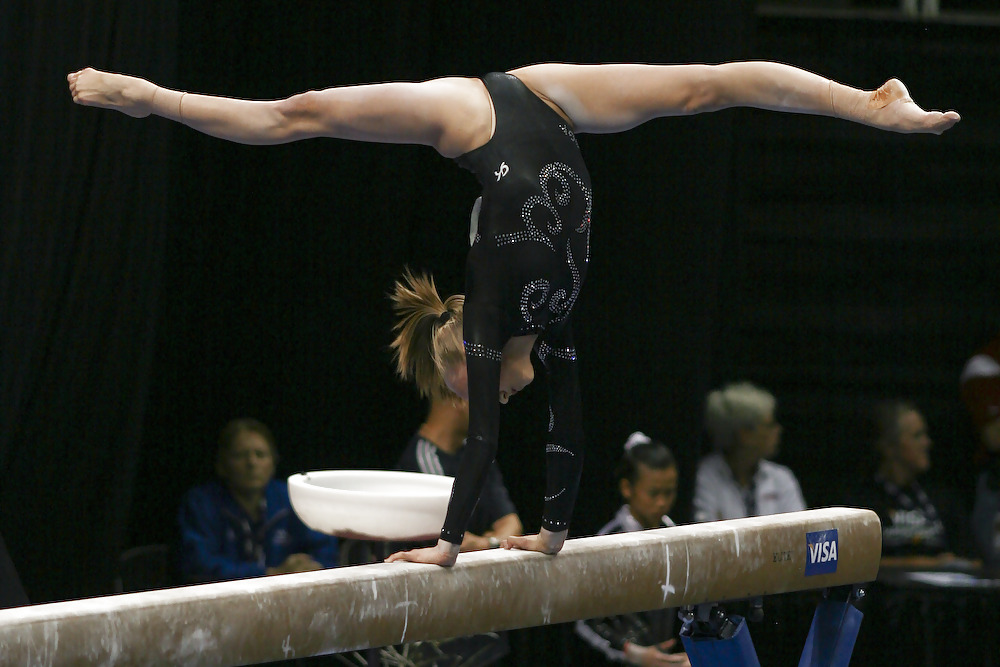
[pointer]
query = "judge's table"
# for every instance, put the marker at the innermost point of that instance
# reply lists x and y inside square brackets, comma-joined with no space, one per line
[931,611]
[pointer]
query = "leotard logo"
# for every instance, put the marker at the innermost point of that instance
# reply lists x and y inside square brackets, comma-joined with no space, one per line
[502,172]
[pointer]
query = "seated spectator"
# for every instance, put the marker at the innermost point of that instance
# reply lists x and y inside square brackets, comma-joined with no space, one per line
[647,480]
[980,383]
[242,524]
[986,514]
[921,527]
[436,449]
[738,480]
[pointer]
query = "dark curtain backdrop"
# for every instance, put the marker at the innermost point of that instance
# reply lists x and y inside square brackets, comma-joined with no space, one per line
[864,263]
[156,283]
[85,212]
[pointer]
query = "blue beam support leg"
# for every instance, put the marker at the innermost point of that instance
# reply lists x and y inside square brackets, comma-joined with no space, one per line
[832,635]
[713,639]
[730,647]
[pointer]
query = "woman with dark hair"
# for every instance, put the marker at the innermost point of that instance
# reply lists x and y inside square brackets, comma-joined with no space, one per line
[647,480]
[517,131]
[921,526]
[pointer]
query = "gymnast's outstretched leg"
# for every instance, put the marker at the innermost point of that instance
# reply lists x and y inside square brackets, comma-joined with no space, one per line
[610,98]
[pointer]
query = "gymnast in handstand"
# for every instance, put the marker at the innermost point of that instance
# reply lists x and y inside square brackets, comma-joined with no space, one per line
[517,131]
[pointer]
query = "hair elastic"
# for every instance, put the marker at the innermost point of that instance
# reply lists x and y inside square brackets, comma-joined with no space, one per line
[637,438]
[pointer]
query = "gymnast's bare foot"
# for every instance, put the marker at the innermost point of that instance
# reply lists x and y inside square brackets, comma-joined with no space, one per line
[128,94]
[444,554]
[890,107]
[544,542]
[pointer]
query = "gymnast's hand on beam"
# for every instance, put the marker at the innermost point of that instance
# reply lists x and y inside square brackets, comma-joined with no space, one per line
[544,542]
[444,554]
[890,107]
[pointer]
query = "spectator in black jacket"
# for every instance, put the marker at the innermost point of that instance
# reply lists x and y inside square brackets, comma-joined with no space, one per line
[921,526]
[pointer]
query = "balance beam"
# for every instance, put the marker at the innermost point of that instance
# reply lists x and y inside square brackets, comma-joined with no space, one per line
[351,608]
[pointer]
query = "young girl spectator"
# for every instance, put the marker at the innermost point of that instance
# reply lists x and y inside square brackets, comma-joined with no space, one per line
[647,480]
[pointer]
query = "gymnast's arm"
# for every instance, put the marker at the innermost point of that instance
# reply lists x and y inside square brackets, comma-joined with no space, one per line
[450,114]
[617,97]
[564,451]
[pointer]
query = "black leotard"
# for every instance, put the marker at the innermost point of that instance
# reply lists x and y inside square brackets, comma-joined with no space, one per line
[523,275]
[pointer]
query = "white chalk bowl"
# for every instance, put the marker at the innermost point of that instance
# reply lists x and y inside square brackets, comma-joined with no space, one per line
[371,504]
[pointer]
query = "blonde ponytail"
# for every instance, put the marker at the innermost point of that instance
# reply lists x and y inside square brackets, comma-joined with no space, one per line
[428,333]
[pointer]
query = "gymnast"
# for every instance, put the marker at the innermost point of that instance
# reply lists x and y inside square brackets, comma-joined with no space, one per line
[531,227]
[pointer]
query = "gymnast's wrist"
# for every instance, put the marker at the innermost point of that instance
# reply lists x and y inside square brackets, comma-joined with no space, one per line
[448,548]
[167,103]
[553,540]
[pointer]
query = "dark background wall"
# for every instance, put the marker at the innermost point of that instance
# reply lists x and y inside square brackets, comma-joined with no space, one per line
[863,264]
[156,283]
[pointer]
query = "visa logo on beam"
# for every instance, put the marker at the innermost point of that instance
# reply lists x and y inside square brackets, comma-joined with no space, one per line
[821,556]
